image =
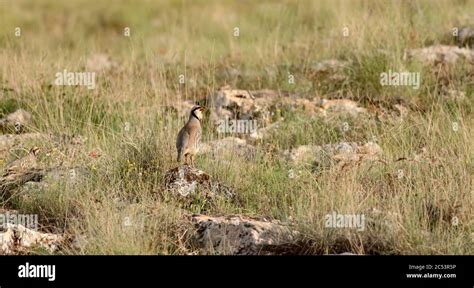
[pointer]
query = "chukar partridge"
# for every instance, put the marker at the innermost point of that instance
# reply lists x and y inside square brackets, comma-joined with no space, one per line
[23,164]
[189,136]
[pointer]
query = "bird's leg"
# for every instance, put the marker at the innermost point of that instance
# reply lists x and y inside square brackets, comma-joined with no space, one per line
[185,159]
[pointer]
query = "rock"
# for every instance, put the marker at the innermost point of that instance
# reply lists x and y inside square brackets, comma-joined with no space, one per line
[310,107]
[440,54]
[330,69]
[266,106]
[17,239]
[8,141]
[79,242]
[347,253]
[15,122]
[424,156]
[20,116]
[402,111]
[325,155]
[233,104]
[455,95]
[266,93]
[228,145]
[301,154]
[31,187]
[239,235]
[69,174]
[346,152]
[67,139]
[187,182]
[228,103]
[369,148]
[395,114]
[341,106]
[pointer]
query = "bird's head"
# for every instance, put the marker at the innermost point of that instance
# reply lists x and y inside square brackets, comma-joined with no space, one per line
[198,112]
[34,151]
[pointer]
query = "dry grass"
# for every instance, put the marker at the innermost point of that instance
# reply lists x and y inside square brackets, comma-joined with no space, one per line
[196,39]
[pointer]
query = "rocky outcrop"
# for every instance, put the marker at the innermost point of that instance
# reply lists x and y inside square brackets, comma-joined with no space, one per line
[261,105]
[239,235]
[230,146]
[454,95]
[329,69]
[301,154]
[228,103]
[441,54]
[186,182]
[266,105]
[15,122]
[341,106]
[17,239]
[328,154]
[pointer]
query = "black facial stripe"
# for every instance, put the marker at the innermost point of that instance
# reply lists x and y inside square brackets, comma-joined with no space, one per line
[194,115]
[196,108]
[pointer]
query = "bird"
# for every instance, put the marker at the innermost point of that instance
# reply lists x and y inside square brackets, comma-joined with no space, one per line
[23,164]
[189,137]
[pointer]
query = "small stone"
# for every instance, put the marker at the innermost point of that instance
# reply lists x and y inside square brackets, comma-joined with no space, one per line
[186,181]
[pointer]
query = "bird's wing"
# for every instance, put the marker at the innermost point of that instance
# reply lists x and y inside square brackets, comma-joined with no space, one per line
[11,167]
[183,139]
[20,164]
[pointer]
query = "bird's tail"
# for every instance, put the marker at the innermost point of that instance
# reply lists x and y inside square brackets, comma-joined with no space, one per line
[180,156]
